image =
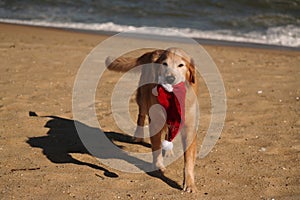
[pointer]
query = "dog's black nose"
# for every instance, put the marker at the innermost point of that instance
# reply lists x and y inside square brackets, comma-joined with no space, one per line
[170,79]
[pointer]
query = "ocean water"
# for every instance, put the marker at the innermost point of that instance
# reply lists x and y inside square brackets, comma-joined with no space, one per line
[268,22]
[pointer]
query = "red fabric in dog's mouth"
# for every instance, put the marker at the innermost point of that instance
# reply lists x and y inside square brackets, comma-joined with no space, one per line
[174,104]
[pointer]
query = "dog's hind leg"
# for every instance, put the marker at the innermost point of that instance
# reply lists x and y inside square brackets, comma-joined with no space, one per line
[143,112]
[139,132]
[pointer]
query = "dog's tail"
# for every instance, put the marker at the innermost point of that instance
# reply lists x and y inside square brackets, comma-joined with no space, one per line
[120,64]
[123,64]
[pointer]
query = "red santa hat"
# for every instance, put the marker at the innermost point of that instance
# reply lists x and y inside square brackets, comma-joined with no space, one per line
[174,103]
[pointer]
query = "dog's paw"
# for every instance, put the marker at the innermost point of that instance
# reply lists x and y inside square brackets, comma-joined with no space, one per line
[162,169]
[191,188]
[159,167]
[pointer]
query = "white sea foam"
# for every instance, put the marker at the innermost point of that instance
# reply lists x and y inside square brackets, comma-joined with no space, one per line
[288,36]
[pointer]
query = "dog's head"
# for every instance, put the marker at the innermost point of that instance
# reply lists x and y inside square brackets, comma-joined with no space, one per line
[176,66]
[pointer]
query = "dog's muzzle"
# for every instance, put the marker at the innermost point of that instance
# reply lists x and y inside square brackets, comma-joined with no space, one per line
[170,79]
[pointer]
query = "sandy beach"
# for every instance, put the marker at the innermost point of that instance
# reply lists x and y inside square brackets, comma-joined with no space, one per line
[257,156]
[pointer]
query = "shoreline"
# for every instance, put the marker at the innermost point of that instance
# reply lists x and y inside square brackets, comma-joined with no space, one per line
[201,41]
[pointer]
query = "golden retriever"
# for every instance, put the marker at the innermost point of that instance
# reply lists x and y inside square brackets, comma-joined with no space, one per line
[174,66]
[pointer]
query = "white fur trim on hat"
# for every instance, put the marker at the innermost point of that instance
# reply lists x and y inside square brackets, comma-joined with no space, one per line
[166,145]
[167,86]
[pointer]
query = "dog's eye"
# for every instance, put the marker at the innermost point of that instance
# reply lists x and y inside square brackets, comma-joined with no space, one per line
[165,64]
[180,65]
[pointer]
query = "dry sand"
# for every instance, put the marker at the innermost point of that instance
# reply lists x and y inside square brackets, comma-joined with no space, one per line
[257,156]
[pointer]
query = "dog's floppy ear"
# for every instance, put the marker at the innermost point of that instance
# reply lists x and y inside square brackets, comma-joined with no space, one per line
[191,73]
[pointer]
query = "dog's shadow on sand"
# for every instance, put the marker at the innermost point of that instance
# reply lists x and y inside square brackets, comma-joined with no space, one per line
[62,140]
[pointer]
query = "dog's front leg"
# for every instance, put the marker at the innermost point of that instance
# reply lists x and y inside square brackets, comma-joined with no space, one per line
[189,141]
[155,139]
[157,152]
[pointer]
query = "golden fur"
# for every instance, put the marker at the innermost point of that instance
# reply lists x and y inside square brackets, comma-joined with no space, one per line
[177,63]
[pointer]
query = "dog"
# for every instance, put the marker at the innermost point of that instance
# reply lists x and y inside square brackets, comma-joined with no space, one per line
[165,67]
